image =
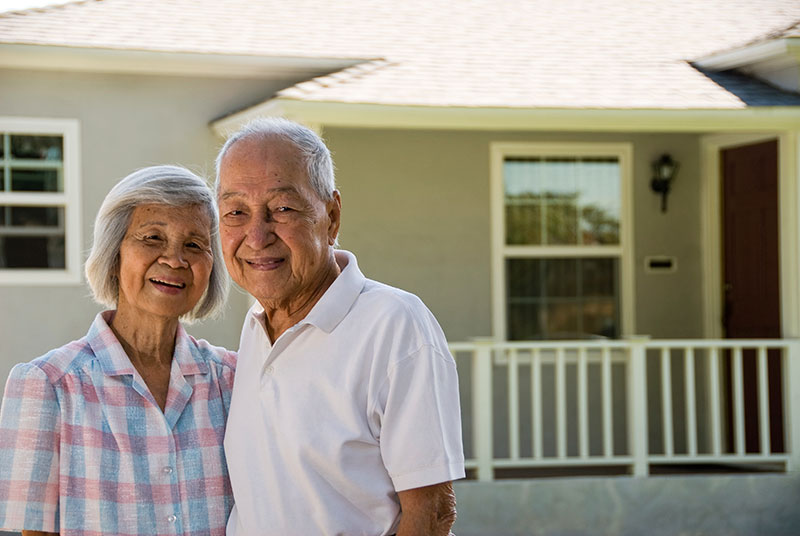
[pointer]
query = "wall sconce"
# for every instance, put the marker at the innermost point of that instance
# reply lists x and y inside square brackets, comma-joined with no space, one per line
[664,170]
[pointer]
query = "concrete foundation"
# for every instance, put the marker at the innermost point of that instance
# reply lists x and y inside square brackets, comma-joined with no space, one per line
[718,505]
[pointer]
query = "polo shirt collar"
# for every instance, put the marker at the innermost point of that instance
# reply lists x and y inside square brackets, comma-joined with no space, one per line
[115,362]
[335,303]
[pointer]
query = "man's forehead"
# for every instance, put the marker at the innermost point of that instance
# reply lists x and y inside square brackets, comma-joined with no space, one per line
[233,192]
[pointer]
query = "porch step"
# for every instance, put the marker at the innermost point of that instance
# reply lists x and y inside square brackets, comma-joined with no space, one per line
[708,505]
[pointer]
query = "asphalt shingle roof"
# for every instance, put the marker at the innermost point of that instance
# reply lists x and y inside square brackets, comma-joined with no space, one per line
[488,53]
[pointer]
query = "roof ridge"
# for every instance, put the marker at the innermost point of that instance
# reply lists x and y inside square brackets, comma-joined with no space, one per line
[46,7]
[337,78]
[768,36]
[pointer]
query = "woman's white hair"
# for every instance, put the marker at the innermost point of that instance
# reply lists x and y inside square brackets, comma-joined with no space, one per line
[312,150]
[158,185]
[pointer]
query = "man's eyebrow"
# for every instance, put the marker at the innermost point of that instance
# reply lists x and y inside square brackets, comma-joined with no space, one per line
[279,190]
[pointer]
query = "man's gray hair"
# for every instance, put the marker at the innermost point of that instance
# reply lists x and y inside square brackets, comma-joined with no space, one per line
[174,186]
[312,150]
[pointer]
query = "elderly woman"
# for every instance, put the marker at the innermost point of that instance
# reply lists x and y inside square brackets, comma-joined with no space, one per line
[121,431]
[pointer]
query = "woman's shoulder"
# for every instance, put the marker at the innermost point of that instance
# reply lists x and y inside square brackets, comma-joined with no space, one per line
[214,354]
[56,363]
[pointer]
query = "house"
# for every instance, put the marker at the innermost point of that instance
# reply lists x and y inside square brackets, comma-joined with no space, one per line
[598,200]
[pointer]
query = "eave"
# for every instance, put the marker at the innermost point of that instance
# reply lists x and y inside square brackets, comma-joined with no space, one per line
[106,60]
[317,114]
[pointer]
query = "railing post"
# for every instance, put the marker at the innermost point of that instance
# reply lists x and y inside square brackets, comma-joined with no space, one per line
[482,407]
[791,396]
[637,405]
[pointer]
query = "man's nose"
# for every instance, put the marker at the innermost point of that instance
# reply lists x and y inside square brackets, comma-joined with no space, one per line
[261,233]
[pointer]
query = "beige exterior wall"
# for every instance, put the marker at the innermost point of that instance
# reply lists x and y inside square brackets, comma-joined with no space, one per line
[416,211]
[416,203]
[126,122]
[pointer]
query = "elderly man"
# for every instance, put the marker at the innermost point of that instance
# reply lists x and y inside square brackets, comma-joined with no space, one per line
[345,416]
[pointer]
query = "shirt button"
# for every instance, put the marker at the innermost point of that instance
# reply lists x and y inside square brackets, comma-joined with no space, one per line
[167,470]
[270,369]
[172,518]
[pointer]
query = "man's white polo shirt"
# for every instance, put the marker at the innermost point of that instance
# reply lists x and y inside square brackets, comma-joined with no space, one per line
[355,402]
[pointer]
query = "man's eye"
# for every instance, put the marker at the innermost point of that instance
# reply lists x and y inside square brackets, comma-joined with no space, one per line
[194,245]
[234,213]
[283,209]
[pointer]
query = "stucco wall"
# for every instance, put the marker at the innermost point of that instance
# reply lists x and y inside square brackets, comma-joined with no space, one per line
[416,211]
[126,122]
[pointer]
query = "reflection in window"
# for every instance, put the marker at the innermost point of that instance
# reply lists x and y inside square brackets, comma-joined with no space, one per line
[25,146]
[562,201]
[562,298]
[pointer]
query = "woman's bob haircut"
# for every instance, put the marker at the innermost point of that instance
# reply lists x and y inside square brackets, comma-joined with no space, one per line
[156,185]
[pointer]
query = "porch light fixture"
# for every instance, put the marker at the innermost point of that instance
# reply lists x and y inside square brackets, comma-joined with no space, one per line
[664,170]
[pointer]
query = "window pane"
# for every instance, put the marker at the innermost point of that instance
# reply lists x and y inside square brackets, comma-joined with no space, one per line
[36,216]
[36,147]
[563,320]
[562,201]
[598,276]
[32,237]
[2,179]
[562,224]
[524,278]
[32,252]
[523,199]
[524,322]
[600,318]
[523,222]
[572,298]
[34,180]
[561,277]
[599,201]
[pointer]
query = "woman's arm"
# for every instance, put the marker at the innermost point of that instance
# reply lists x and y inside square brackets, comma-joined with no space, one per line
[29,457]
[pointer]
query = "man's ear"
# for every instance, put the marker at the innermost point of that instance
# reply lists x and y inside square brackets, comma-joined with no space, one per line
[334,211]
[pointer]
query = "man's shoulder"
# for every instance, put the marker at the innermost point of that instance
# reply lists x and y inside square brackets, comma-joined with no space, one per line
[388,299]
[390,312]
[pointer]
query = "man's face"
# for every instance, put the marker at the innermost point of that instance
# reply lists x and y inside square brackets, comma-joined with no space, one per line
[276,232]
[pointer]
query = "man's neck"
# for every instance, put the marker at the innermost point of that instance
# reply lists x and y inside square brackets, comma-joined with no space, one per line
[279,318]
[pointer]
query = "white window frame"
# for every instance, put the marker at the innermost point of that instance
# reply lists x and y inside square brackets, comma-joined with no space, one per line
[70,199]
[623,152]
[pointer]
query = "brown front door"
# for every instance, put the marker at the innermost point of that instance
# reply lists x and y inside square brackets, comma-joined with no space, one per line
[751,271]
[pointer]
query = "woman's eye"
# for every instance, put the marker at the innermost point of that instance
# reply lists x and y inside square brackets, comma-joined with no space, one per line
[283,209]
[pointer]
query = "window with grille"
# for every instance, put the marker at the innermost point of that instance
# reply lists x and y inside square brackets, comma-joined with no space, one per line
[558,238]
[39,197]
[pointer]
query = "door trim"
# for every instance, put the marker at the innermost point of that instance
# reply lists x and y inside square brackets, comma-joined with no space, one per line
[711,233]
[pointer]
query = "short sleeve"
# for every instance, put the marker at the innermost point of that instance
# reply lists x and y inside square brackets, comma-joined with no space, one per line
[421,426]
[226,379]
[29,452]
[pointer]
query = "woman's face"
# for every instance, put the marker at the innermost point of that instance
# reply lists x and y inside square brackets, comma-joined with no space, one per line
[165,260]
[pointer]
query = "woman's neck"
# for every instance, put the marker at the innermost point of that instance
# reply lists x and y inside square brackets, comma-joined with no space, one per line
[149,341]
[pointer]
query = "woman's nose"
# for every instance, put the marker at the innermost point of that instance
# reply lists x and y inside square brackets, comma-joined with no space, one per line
[173,257]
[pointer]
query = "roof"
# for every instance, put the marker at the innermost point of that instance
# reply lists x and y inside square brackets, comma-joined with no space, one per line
[472,53]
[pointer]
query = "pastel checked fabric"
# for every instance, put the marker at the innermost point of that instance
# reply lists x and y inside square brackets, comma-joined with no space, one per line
[85,449]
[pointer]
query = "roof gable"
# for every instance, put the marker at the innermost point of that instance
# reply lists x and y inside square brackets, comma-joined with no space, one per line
[483,53]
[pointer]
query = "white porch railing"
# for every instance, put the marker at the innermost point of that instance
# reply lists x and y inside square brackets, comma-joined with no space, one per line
[632,403]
